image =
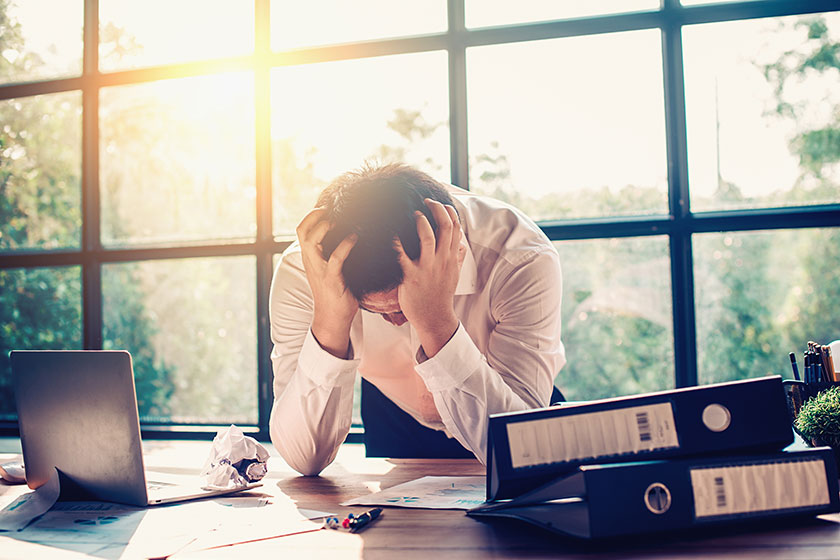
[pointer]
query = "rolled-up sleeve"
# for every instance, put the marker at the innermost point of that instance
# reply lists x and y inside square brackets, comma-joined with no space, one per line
[313,390]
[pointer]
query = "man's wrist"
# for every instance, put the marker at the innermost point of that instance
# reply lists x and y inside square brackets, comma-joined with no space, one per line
[434,336]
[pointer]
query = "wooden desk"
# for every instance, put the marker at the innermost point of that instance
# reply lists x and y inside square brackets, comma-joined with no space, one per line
[437,534]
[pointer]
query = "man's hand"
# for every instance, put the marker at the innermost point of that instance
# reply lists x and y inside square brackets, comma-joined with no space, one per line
[334,305]
[427,293]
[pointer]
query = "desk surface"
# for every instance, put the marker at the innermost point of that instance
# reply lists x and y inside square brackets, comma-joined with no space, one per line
[430,534]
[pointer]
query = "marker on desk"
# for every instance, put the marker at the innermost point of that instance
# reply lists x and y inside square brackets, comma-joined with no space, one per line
[360,522]
[794,366]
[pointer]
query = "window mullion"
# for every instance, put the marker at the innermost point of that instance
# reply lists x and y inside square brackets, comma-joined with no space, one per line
[91,245]
[458,149]
[682,276]
[262,104]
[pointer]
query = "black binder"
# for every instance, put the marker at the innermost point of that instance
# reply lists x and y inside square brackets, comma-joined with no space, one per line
[527,449]
[621,499]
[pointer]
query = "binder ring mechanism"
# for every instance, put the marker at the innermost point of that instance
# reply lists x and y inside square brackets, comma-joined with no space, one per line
[716,417]
[658,498]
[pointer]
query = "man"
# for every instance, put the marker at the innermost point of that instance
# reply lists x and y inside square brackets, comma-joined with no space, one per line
[446,301]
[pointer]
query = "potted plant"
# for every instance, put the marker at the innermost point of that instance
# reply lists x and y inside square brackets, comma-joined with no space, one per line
[818,420]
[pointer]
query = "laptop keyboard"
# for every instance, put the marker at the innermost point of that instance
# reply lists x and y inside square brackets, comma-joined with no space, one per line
[157,485]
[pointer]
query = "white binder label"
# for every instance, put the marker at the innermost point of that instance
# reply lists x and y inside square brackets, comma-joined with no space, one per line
[756,488]
[592,435]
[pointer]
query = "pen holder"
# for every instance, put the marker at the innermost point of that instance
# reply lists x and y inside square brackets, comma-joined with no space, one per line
[797,394]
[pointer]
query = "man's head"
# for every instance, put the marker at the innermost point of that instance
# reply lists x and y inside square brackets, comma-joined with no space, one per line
[378,203]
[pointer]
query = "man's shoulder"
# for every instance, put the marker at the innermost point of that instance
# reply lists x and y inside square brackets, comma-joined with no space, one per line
[290,259]
[497,225]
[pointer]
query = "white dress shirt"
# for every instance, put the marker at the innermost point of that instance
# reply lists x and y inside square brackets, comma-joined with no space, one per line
[502,358]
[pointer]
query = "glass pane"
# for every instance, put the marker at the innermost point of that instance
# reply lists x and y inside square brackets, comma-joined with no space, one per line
[40,171]
[761,295]
[191,328]
[152,32]
[763,112]
[320,22]
[35,47]
[617,321]
[40,309]
[177,160]
[585,139]
[396,110]
[481,13]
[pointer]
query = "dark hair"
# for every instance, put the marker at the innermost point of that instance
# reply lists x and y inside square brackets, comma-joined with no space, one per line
[378,203]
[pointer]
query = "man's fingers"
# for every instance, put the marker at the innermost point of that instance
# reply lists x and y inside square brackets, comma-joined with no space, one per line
[456,228]
[403,258]
[316,233]
[427,237]
[310,245]
[341,252]
[444,223]
[315,216]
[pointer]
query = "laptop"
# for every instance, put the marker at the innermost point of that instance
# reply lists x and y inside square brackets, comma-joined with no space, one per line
[77,412]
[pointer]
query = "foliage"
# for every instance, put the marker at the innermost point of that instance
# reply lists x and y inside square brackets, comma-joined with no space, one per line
[39,308]
[817,147]
[819,418]
[735,326]
[738,279]
[617,316]
[40,208]
[127,326]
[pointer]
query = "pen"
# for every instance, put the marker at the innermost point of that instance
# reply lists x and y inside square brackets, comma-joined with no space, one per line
[794,366]
[807,366]
[361,521]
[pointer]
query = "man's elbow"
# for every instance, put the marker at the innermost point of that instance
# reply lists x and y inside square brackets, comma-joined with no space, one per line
[302,457]
[307,468]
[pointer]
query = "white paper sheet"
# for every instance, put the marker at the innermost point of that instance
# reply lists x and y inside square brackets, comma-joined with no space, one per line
[429,492]
[111,531]
[85,522]
[243,522]
[18,514]
[108,530]
[12,471]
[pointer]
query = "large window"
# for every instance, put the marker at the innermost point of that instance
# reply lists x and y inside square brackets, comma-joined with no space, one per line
[155,158]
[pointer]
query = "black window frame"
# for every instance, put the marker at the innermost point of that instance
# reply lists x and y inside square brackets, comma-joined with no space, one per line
[679,225]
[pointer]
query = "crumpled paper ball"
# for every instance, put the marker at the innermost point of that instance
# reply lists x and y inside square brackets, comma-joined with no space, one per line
[235,460]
